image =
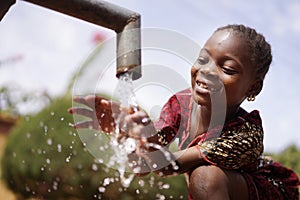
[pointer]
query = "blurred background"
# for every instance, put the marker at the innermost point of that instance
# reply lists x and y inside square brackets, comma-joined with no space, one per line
[42,50]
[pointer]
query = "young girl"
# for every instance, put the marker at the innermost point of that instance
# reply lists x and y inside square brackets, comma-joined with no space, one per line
[221,144]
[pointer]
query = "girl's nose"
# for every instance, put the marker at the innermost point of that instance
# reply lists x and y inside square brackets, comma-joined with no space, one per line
[209,70]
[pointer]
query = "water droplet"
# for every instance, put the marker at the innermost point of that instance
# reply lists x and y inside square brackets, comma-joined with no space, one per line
[55,184]
[154,166]
[48,161]
[94,167]
[106,181]
[52,113]
[166,186]
[42,169]
[62,119]
[68,159]
[45,129]
[54,187]
[39,151]
[142,183]
[126,181]
[101,189]
[137,191]
[27,188]
[101,148]
[49,141]
[160,197]
[59,147]
[137,170]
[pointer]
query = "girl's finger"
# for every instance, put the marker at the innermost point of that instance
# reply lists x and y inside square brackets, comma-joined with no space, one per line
[136,131]
[140,117]
[84,124]
[81,100]
[107,104]
[81,111]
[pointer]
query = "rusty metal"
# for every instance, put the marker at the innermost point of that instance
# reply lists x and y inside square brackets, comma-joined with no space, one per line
[124,22]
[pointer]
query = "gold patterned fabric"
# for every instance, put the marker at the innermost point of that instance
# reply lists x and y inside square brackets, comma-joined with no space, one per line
[237,147]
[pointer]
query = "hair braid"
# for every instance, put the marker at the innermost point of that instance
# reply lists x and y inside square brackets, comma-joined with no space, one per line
[260,49]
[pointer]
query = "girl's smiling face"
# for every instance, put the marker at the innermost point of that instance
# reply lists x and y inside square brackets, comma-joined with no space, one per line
[225,60]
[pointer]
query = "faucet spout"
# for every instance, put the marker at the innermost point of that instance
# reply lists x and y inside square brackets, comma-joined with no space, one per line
[129,48]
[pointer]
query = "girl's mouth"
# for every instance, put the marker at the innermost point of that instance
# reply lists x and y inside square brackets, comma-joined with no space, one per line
[203,87]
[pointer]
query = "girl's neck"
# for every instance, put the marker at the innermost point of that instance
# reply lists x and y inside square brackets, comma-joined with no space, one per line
[203,118]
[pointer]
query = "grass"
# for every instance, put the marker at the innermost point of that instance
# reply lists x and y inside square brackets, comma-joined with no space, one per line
[4,192]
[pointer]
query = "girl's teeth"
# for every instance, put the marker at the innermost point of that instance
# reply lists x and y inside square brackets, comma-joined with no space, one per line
[203,86]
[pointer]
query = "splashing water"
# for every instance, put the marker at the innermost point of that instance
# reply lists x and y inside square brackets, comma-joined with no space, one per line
[123,146]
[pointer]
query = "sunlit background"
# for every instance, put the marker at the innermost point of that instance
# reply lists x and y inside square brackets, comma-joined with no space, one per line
[41,49]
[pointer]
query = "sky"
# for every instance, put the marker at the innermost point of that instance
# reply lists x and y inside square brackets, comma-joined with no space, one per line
[42,49]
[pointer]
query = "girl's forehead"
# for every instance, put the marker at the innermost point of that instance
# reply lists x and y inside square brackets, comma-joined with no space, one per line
[228,42]
[225,43]
[226,37]
[222,36]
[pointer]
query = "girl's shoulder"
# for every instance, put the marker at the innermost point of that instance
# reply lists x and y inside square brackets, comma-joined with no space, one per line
[180,101]
[243,116]
[183,95]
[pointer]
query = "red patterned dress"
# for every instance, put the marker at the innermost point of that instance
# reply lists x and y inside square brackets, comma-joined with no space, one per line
[236,145]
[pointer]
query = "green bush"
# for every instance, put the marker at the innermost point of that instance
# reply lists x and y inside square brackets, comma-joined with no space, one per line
[45,158]
[289,157]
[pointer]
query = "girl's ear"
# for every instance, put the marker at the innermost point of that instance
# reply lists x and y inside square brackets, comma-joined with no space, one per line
[255,88]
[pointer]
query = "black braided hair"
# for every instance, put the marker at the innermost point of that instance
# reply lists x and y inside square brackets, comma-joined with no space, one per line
[260,49]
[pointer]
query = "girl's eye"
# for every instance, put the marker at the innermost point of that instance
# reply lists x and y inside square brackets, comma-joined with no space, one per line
[228,70]
[202,60]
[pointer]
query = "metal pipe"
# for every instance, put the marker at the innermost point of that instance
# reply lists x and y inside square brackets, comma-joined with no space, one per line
[4,7]
[124,22]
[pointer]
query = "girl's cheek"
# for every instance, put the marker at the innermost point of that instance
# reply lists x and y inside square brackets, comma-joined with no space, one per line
[194,71]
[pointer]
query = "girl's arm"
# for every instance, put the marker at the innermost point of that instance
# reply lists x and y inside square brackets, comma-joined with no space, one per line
[165,163]
[156,154]
[233,150]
